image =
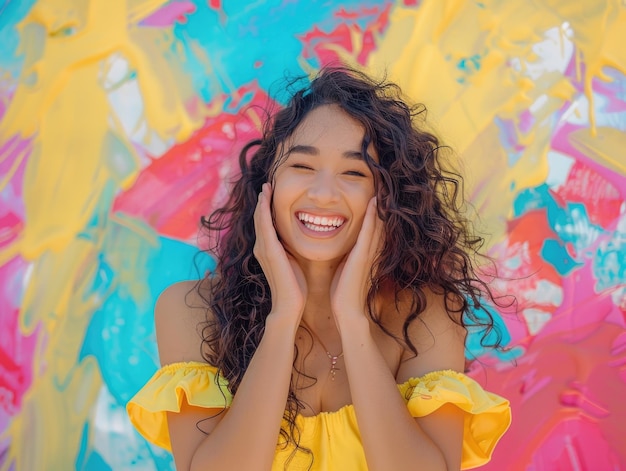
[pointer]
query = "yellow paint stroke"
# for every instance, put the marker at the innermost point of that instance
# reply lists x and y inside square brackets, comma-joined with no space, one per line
[59,297]
[606,146]
[421,51]
[61,104]
[47,432]
[66,109]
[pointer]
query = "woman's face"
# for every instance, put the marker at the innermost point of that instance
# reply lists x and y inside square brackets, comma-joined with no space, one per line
[323,186]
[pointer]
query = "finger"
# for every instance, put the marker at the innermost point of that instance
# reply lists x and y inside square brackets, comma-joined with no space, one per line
[257,212]
[263,230]
[262,215]
[368,228]
[379,230]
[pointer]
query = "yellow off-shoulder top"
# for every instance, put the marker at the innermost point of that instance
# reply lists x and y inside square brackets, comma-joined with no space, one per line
[333,437]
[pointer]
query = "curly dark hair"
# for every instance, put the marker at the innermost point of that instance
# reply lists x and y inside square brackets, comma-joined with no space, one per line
[428,242]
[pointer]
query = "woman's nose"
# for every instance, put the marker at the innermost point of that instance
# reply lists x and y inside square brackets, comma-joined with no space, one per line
[323,189]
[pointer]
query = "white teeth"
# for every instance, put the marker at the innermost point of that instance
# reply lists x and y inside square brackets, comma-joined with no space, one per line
[320,228]
[320,223]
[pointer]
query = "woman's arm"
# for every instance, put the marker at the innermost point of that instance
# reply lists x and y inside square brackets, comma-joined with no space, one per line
[392,439]
[245,435]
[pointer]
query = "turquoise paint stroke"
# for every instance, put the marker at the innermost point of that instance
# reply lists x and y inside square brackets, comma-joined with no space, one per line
[121,333]
[555,253]
[609,264]
[11,13]
[254,41]
[571,225]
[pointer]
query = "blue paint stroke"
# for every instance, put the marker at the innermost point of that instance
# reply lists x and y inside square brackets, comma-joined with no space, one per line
[11,13]
[555,253]
[121,333]
[254,41]
[570,223]
[609,264]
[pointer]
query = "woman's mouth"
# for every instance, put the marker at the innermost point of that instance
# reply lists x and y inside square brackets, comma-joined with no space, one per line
[320,223]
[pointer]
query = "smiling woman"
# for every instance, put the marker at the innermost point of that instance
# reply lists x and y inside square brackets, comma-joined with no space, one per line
[331,335]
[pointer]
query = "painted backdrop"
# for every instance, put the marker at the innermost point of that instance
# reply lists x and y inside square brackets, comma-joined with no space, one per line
[119,125]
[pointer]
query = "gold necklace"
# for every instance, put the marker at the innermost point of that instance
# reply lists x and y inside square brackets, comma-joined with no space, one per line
[333,358]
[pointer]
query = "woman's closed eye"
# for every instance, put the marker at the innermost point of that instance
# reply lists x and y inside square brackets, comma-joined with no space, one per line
[355,173]
[301,167]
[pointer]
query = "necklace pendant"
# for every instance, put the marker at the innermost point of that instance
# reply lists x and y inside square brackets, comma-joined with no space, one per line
[333,358]
[333,366]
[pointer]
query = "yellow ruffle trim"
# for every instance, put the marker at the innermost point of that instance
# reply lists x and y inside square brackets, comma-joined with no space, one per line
[487,416]
[164,392]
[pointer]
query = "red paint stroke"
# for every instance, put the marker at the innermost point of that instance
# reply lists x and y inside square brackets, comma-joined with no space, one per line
[177,188]
[170,13]
[322,45]
[530,231]
[601,199]
[16,350]
[357,14]
[567,401]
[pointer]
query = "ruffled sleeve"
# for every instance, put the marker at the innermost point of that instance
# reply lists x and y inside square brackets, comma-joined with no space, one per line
[487,416]
[163,393]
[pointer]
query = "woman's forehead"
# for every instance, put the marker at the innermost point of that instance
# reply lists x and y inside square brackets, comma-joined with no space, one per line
[328,127]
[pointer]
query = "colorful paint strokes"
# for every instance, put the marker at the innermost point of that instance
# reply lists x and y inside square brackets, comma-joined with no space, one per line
[120,125]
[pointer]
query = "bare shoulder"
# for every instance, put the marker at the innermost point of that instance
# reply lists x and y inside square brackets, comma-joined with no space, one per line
[437,322]
[179,314]
[439,340]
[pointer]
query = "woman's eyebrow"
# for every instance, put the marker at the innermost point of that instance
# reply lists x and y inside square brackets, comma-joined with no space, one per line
[303,149]
[312,150]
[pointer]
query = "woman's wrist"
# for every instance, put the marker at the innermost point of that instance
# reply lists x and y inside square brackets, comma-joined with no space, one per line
[353,326]
[282,322]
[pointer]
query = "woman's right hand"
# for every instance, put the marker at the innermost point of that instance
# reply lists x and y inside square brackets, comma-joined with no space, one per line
[283,274]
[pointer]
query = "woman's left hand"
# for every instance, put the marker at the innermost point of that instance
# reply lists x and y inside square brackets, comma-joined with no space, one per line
[352,280]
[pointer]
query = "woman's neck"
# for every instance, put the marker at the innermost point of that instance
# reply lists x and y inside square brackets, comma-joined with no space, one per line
[319,277]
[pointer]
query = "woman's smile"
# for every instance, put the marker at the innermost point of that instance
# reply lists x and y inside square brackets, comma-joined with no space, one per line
[321,224]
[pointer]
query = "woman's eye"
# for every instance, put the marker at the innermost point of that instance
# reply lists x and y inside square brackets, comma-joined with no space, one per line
[301,167]
[355,173]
